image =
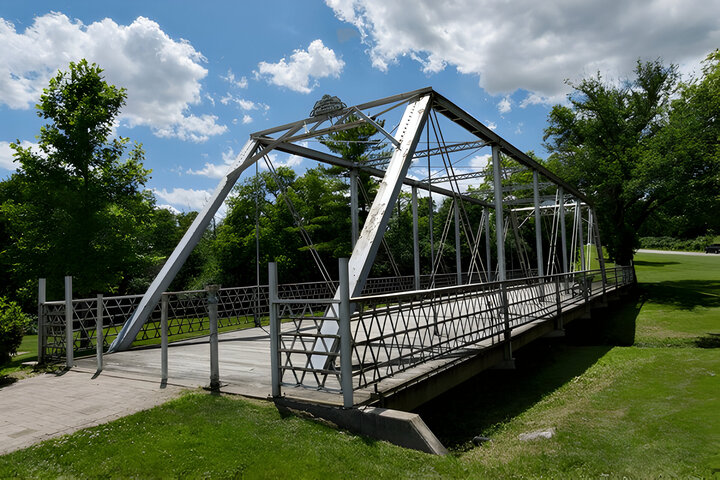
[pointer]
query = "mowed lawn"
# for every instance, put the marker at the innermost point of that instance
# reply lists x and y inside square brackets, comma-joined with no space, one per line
[633,393]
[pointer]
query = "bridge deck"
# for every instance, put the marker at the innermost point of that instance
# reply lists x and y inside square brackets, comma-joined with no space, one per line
[244,357]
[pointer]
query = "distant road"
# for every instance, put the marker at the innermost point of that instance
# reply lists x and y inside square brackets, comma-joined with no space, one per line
[644,250]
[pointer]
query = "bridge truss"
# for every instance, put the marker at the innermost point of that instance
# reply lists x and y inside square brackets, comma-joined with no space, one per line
[473,168]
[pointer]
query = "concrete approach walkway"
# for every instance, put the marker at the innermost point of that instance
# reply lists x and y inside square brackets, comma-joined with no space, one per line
[49,405]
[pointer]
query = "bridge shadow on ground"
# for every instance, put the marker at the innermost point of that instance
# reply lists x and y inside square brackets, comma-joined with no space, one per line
[482,404]
[684,294]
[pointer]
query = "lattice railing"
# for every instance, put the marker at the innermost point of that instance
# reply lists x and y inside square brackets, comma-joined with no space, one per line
[394,332]
[237,306]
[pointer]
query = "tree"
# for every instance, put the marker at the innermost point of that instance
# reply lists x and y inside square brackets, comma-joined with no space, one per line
[78,207]
[687,152]
[603,142]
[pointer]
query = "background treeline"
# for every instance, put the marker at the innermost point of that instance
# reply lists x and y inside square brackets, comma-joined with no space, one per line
[679,244]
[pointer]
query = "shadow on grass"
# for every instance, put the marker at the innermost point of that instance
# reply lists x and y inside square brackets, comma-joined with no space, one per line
[480,405]
[711,340]
[646,263]
[685,294]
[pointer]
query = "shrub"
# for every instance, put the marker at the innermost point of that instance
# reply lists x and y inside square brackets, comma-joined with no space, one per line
[13,323]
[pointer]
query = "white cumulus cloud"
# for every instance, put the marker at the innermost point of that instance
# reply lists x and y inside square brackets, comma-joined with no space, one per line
[162,75]
[230,157]
[7,160]
[184,198]
[533,45]
[505,105]
[301,72]
[216,170]
[243,103]
[242,82]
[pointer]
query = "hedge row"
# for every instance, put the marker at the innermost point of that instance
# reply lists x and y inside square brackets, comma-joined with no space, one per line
[669,243]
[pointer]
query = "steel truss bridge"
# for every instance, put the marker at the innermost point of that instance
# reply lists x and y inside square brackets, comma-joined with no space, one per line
[357,340]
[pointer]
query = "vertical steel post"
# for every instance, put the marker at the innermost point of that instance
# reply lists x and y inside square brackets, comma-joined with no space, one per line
[274,330]
[256,310]
[601,257]
[581,237]
[563,233]
[99,332]
[538,225]
[458,258]
[69,343]
[507,333]
[346,381]
[164,300]
[497,186]
[212,300]
[42,298]
[488,252]
[558,320]
[432,240]
[416,238]
[430,211]
[354,218]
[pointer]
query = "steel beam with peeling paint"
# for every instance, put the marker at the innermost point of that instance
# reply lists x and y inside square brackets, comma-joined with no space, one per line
[366,247]
[172,266]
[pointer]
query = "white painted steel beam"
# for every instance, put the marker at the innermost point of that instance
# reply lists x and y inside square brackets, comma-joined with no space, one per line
[563,231]
[367,245]
[458,257]
[538,225]
[387,194]
[354,217]
[499,222]
[416,237]
[176,260]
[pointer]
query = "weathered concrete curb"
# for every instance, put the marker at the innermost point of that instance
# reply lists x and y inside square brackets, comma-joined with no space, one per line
[400,428]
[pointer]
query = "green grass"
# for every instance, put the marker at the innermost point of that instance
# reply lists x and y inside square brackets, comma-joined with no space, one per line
[680,297]
[632,393]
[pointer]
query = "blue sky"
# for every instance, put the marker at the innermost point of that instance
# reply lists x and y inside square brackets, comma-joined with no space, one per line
[202,76]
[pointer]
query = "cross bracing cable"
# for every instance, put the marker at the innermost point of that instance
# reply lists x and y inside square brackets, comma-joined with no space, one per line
[300,224]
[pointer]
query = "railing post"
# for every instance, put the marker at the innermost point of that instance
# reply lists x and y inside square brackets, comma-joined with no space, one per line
[212,301]
[274,330]
[42,298]
[346,381]
[69,343]
[164,338]
[99,332]
[507,352]
[558,301]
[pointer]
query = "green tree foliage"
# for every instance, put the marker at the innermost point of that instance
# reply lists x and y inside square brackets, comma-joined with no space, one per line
[12,328]
[687,152]
[320,204]
[76,206]
[646,151]
[604,142]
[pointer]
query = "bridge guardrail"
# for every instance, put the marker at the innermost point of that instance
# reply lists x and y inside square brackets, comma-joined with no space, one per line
[394,332]
[187,312]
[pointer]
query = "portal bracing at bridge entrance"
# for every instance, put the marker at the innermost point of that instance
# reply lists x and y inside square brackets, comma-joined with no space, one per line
[525,243]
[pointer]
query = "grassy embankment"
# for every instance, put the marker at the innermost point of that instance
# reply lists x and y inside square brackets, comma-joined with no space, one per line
[634,393]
